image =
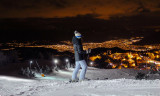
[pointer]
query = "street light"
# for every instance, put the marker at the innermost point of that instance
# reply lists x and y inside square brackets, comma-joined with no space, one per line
[91,63]
[67,60]
[55,61]
[67,63]
[110,64]
[30,63]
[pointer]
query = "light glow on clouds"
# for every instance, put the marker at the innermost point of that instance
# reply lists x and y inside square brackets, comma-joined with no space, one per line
[69,8]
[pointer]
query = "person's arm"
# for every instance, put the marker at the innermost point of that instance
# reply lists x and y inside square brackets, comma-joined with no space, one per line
[80,50]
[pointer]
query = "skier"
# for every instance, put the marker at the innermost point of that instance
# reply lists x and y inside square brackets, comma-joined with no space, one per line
[79,57]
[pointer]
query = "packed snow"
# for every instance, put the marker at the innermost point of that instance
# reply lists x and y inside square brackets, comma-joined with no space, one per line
[104,82]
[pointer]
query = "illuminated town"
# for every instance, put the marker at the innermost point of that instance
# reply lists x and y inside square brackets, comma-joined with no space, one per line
[130,60]
[125,44]
[141,55]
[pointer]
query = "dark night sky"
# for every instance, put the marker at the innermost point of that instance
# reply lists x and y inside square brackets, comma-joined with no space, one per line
[98,20]
[64,8]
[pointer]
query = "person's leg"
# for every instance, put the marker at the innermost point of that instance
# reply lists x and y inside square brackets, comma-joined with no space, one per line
[84,69]
[75,72]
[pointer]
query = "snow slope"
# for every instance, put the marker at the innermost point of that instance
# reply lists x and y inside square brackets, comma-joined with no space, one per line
[57,85]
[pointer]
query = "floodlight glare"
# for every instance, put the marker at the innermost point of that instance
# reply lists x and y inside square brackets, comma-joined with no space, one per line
[67,60]
[91,63]
[55,61]
[31,61]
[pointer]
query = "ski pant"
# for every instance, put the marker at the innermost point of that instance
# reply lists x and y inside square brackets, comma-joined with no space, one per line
[79,64]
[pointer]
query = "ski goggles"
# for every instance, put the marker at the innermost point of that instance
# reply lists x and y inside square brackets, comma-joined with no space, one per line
[78,36]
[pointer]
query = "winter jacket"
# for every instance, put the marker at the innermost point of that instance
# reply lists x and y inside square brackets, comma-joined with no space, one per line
[78,49]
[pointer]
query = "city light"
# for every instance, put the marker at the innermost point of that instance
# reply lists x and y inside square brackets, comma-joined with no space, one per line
[140,54]
[110,64]
[125,44]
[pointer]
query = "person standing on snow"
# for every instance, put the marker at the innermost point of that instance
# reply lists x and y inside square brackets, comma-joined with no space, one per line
[79,57]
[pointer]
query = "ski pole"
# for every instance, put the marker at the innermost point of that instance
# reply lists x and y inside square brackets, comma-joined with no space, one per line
[89,50]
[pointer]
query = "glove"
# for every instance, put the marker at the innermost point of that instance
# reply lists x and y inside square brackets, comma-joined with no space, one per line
[88,51]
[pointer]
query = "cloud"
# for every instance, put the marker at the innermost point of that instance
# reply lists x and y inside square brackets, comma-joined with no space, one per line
[69,8]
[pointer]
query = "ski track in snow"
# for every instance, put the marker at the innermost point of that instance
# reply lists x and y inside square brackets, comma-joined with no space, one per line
[11,86]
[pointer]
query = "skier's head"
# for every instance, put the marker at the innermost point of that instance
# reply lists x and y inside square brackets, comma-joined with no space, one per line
[77,34]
